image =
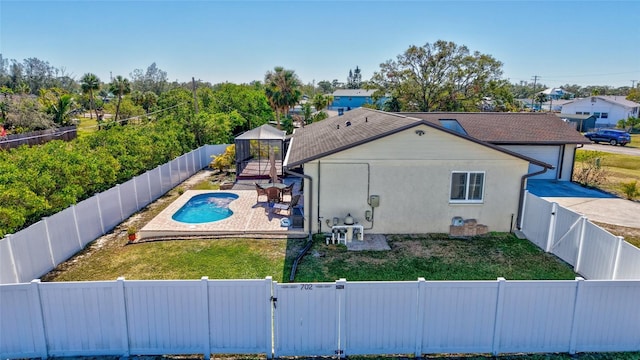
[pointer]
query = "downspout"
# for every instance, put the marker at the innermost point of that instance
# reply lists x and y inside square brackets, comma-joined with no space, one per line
[523,181]
[318,202]
[562,150]
[294,267]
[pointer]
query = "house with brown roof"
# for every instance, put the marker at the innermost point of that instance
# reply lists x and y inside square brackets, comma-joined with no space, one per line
[400,173]
[541,136]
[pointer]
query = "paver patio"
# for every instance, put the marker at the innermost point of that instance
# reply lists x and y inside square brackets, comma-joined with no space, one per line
[250,219]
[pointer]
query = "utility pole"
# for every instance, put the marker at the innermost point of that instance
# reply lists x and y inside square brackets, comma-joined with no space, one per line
[195,99]
[533,98]
[633,84]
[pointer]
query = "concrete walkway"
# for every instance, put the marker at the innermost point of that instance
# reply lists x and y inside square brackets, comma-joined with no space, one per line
[592,203]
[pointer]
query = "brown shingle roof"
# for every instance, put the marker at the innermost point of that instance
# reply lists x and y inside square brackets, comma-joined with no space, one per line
[333,134]
[511,128]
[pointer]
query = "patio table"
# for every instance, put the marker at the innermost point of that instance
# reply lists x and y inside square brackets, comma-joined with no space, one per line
[279,186]
[273,196]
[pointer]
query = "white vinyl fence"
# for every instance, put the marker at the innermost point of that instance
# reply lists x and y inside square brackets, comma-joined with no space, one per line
[38,249]
[592,251]
[126,318]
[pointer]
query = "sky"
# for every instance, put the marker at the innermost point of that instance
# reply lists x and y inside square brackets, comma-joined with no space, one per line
[560,42]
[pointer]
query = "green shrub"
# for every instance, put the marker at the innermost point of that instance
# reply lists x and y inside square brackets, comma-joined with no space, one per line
[630,189]
[41,180]
[224,160]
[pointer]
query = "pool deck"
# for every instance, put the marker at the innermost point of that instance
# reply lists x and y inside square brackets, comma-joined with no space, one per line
[250,219]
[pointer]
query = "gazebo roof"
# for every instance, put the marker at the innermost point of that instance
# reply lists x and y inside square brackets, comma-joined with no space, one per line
[264,132]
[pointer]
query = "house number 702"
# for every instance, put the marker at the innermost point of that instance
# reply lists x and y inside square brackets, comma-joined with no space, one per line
[306,287]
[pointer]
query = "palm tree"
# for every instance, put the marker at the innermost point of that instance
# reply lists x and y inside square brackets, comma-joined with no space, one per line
[282,88]
[90,83]
[119,86]
[540,98]
[62,109]
[320,101]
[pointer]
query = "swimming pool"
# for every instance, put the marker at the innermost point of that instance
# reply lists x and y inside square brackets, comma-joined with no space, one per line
[205,208]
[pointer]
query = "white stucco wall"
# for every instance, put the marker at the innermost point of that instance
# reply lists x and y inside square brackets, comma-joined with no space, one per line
[616,112]
[569,159]
[412,176]
[549,154]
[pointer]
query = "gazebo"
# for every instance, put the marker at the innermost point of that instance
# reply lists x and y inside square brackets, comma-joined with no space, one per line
[253,149]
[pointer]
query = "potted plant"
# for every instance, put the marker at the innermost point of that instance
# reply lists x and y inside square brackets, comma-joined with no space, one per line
[131,231]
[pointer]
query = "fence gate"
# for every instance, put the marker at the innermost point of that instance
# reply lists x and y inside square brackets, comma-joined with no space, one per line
[306,319]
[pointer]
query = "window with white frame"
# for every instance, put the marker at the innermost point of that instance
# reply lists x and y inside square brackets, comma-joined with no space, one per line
[604,115]
[467,186]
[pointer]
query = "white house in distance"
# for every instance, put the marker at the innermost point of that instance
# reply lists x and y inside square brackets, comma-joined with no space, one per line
[608,110]
[395,173]
[557,93]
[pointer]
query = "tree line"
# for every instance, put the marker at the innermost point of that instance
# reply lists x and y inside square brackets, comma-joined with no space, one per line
[439,76]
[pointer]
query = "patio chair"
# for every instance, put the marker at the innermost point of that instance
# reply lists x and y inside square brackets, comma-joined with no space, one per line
[260,192]
[273,194]
[288,191]
[280,207]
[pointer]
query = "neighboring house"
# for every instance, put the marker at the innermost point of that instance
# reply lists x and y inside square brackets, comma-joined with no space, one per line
[529,104]
[348,99]
[423,173]
[541,136]
[608,110]
[554,105]
[557,93]
[582,123]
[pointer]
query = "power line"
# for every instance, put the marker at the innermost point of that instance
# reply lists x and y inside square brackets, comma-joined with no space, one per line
[58,134]
[533,96]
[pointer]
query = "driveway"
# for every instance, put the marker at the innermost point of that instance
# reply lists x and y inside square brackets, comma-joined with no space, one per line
[625,150]
[596,205]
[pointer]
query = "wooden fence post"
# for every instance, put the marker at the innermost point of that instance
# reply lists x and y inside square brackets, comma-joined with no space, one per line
[497,325]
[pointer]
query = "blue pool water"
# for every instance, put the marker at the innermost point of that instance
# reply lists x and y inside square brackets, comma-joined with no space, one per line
[205,208]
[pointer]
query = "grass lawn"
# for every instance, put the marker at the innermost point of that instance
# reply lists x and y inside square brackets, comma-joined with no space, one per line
[619,169]
[434,257]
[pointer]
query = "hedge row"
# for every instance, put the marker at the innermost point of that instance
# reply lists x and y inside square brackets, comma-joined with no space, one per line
[42,180]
